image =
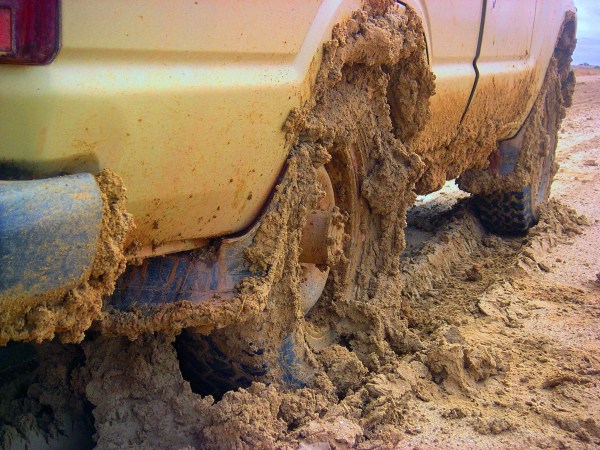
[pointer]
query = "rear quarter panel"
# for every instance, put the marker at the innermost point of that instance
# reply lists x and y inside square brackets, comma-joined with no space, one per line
[451,30]
[185,100]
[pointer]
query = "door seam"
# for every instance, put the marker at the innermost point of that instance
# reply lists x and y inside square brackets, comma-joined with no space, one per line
[477,54]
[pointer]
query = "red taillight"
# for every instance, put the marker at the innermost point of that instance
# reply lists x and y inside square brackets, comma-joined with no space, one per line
[5,30]
[29,31]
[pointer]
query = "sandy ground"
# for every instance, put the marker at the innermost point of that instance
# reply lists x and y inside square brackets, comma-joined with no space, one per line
[549,396]
[578,182]
[499,349]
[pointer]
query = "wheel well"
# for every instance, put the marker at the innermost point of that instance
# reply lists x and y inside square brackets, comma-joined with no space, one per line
[565,45]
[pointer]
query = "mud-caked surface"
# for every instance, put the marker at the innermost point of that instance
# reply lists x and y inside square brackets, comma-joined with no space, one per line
[374,68]
[539,133]
[490,354]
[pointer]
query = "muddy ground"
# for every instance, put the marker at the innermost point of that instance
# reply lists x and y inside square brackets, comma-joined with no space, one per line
[499,348]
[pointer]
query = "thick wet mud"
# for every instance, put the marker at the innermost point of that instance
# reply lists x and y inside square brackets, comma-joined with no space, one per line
[468,361]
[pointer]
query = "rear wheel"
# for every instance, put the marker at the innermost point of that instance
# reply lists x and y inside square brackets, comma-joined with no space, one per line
[330,244]
[517,211]
[371,93]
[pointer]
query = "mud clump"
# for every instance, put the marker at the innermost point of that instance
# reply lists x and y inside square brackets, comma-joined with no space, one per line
[373,86]
[460,365]
[493,426]
[70,315]
[343,368]
[560,220]
[139,395]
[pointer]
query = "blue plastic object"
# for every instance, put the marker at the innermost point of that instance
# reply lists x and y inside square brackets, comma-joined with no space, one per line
[49,231]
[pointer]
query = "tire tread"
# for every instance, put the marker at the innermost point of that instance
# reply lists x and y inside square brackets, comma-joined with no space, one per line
[507,212]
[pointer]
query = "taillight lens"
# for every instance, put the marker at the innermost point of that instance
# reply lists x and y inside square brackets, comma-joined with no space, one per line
[5,30]
[29,31]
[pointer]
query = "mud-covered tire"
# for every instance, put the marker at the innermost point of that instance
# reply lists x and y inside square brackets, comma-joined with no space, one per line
[208,369]
[235,357]
[507,212]
[368,99]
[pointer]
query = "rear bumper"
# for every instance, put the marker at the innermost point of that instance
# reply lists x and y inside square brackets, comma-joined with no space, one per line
[49,232]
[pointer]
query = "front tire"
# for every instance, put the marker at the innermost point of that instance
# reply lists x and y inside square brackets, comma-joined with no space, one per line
[513,211]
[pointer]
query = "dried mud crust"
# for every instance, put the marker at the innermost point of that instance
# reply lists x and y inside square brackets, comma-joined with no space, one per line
[69,316]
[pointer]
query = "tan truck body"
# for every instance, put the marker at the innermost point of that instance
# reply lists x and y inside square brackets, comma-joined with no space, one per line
[185,100]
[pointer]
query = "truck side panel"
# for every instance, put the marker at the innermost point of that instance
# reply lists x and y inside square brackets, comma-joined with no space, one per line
[451,55]
[514,57]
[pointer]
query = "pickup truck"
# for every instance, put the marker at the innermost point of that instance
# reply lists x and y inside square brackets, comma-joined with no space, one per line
[222,167]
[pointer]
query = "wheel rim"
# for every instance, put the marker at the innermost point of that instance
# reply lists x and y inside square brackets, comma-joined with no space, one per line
[314,276]
[340,178]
